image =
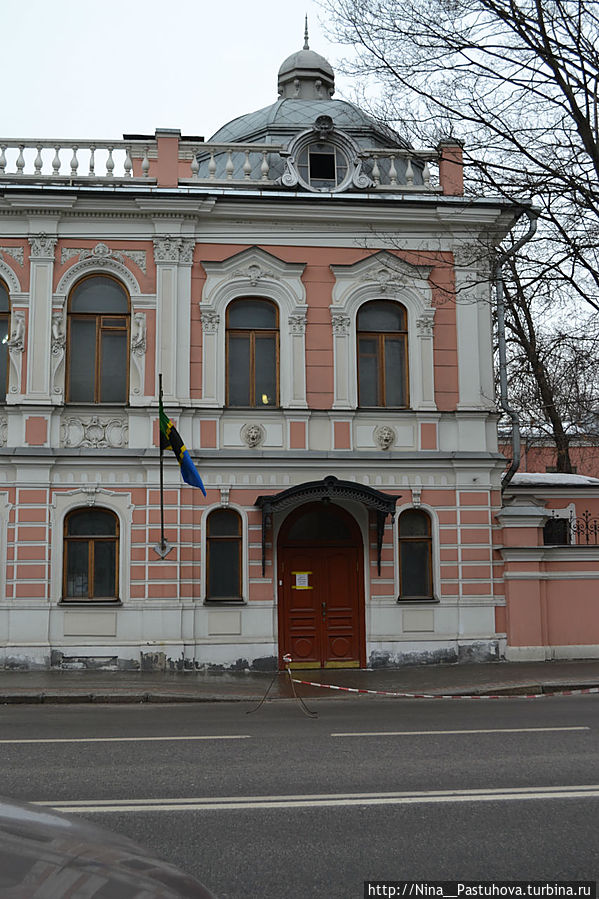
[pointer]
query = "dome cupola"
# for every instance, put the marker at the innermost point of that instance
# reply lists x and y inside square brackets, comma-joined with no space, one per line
[306,75]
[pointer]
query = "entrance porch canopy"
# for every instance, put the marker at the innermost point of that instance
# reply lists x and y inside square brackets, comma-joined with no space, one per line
[328,490]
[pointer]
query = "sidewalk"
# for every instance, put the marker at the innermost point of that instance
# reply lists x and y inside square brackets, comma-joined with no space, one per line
[507,678]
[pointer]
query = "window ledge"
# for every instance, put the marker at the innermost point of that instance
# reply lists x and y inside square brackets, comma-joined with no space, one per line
[84,603]
[225,602]
[411,600]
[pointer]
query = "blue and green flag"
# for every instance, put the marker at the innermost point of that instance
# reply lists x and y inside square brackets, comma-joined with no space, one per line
[170,439]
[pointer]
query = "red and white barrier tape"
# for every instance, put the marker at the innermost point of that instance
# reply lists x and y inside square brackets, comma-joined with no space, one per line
[446,696]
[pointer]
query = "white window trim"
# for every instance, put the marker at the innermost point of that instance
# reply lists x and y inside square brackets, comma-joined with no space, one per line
[435,551]
[138,303]
[254,273]
[92,496]
[384,277]
[245,554]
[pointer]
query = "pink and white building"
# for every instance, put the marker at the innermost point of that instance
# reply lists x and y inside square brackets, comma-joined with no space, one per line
[304,283]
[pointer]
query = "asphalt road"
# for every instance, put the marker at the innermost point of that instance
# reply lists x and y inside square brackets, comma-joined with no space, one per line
[278,806]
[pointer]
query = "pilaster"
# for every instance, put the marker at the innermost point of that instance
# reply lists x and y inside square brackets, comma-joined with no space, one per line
[41,261]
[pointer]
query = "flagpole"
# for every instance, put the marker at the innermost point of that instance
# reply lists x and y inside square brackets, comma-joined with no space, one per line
[162,538]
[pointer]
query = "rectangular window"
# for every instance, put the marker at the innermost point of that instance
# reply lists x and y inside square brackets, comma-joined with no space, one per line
[82,358]
[238,359]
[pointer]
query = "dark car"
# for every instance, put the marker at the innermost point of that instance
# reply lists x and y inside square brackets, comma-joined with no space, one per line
[46,855]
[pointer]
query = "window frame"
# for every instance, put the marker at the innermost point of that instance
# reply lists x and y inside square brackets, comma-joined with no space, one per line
[251,333]
[91,539]
[101,328]
[225,538]
[428,539]
[381,337]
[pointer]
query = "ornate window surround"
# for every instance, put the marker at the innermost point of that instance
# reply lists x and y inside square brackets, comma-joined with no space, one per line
[256,273]
[245,575]
[139,303]
[90,495]
[383,276]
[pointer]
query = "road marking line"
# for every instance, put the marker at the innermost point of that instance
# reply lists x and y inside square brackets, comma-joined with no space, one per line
[425,733]
[322,800]
[128,739]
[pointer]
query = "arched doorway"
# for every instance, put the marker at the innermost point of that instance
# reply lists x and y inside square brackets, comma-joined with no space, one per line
[321,588]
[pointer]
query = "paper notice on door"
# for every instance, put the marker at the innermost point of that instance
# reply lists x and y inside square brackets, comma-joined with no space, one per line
[301,580]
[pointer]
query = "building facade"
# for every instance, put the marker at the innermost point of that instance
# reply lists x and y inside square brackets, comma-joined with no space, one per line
[307,285]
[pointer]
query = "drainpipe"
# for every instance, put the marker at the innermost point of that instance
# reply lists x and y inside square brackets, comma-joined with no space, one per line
[532,215]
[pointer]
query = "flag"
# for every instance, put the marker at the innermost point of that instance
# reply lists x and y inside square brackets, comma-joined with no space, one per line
[170,439]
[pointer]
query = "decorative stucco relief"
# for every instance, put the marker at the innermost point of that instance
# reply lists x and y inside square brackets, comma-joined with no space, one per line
[42,246]
[253,435]
[384,436]
[3,430]
[138,353]
[17,253]
[102,252]
[254,273]
[174,249]
[210,320]
[340,322]
[94,431]
[57,354]
[425,323]
[297,323]
[16,346]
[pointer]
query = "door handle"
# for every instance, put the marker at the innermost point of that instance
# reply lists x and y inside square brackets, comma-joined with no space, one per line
[324,609]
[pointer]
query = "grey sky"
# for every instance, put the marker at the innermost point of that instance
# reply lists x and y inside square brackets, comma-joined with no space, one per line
[77,69]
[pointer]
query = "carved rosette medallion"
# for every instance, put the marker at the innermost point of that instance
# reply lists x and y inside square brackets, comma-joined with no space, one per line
[384,436]
[253,435]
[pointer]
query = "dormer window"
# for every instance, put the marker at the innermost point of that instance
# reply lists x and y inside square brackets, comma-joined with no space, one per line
[322,166]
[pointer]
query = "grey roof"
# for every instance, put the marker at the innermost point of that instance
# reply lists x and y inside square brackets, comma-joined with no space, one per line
[306,59]
[286,117]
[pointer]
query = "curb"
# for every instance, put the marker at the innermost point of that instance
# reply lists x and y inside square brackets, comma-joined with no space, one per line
[520,691]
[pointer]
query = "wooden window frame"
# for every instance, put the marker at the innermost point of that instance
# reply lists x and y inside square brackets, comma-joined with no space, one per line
[225,538]
[251,333]
[381,337]
[428,539]
[100,329]
[92,539]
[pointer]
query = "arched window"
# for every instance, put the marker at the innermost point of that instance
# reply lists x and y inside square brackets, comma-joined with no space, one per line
[415,556]
[91,554]
[382,355]
[98,349]
[4,336]
[252,353]
[223,556]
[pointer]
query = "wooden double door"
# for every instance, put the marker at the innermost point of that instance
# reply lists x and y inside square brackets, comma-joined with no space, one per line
[321,596]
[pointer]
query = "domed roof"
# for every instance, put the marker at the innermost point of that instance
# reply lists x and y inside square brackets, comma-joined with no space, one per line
[282,120]
[306,59]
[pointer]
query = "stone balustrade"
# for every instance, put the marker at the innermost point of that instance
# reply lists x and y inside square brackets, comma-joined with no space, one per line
[169,160]
[60,159]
